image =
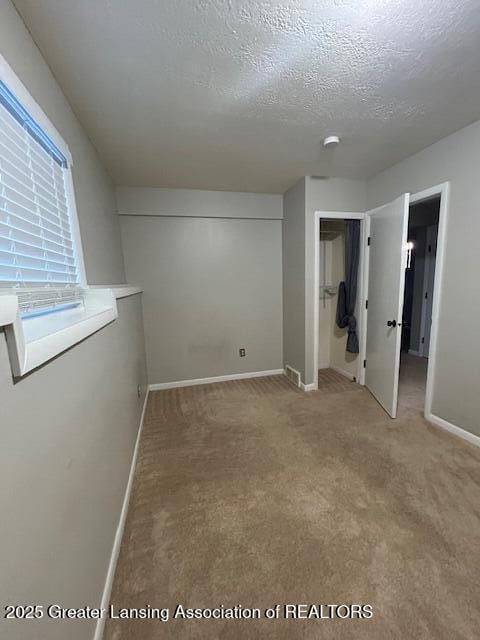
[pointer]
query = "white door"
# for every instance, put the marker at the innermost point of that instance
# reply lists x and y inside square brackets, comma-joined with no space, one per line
[386,280]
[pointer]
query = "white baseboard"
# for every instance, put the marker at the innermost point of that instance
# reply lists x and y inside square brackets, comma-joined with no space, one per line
[107,589]
[458,431]
[343,372]
[308,387]
[411,352]
[235,376]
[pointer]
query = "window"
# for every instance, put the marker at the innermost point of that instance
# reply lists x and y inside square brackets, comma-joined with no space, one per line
[41,262]
[38,234]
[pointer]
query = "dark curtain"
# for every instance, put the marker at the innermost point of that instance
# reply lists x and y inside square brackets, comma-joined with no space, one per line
[347,291]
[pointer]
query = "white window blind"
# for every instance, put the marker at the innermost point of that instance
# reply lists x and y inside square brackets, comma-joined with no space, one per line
[37,251]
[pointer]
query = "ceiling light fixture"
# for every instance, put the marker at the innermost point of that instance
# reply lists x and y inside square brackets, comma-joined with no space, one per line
[331,141]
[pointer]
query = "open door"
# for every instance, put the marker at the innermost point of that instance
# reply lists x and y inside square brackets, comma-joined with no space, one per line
[386,281]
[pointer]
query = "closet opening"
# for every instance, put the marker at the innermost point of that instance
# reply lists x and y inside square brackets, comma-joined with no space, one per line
[423,222]
[340,345]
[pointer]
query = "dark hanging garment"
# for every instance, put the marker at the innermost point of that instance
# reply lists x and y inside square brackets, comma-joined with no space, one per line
[347,291]
[341,306]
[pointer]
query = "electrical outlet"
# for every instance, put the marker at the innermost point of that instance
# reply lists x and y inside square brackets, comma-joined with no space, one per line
[242,352]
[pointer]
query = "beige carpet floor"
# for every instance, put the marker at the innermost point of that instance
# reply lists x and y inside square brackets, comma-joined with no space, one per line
[253,493]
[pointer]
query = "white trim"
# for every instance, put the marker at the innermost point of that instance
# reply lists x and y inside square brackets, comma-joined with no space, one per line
[117,541]
[8,307]
[75,226]
[44,348]
[313,386]
[159,386]
[295,371]
[125,291]
[23,95]
[119,290]
[13,82]
[457,431]
[401,297]
[442,190]
[316,295]
[32,342]
[9,299]
[343,372]
[340,215]
[35,341]
[363,264]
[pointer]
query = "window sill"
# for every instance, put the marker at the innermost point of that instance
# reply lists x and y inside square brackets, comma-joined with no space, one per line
[33,341]
[119,290]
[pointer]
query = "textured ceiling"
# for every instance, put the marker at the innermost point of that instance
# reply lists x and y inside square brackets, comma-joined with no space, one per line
[237,95]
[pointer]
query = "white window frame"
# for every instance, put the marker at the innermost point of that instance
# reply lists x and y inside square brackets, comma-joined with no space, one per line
[11,80]
[32,342]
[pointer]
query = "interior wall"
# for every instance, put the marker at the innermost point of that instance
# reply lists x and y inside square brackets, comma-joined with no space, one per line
[308,195]
[457,369]
[197,203]
[94,193]
[323,194]
[211,286]
[67,429]
[293,267]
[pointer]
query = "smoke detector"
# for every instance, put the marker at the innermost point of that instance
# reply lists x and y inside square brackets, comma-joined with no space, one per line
[331,141]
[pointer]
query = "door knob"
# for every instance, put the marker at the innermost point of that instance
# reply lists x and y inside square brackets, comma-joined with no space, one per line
[391,323]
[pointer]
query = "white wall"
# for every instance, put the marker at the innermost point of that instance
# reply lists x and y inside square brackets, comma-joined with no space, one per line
[330,194]
[67,429]
[211,285]
[455,159]
[308,195]
[293,266]
[457,372]
[93,188]
[198,204]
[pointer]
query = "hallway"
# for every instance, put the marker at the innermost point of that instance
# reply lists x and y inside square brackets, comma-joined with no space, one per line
[253,493]
[412,383]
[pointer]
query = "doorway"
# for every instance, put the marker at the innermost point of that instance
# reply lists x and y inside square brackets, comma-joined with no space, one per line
[422,236]
[335,366]
[385,283]
[388,273]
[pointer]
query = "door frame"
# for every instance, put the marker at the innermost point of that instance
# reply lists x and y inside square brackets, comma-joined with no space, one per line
[442,190]
[362,267]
